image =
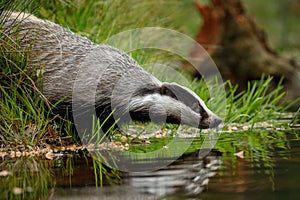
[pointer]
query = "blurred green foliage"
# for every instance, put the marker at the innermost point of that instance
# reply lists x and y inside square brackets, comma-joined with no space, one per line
[280,20]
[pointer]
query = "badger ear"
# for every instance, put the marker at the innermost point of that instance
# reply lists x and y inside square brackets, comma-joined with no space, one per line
[166,89]
[181,93]
[176,91]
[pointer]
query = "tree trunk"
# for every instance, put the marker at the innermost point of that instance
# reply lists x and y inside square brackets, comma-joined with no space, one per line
[239,47]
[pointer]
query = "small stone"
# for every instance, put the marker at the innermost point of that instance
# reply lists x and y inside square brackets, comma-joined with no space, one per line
[126,146]
[133,136]
[12,154]
[29,189]
[49,155]
[5,173]
[246,128]
[18,154]
[123,138]
[3,154]
[17,190]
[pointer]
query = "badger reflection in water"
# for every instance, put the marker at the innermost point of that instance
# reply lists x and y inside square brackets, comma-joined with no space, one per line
[188,175]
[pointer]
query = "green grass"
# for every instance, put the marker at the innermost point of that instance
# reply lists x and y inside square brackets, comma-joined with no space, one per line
[260,102]
[26,115]
[23,116]
[98,20]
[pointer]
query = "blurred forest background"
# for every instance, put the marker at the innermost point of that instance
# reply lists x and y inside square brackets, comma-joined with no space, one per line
[279,19]
[247,39]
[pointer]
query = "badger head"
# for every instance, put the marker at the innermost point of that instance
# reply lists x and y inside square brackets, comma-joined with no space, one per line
[171,103]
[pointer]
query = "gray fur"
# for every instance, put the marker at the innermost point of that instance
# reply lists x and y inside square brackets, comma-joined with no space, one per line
[63,58]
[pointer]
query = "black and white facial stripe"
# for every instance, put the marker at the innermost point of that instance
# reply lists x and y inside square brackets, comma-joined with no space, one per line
[171,103]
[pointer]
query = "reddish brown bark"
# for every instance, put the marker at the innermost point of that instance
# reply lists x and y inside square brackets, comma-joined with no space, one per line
[239,47]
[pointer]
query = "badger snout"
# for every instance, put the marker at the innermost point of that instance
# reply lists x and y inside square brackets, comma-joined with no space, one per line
[212,121]
[215,122]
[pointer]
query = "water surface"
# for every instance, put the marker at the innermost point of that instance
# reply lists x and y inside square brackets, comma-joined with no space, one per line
[216,176]
[263,164]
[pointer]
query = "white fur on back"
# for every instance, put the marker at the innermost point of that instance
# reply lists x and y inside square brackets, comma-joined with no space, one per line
[24,16]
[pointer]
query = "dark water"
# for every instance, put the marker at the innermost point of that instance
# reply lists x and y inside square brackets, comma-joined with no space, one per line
[267,170]
[253,180]
[216,176]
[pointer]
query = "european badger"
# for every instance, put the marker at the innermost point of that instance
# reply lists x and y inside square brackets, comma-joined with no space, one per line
[64,59]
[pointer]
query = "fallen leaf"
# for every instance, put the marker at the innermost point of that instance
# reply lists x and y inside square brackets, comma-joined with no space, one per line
[240,154]
[49,155]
